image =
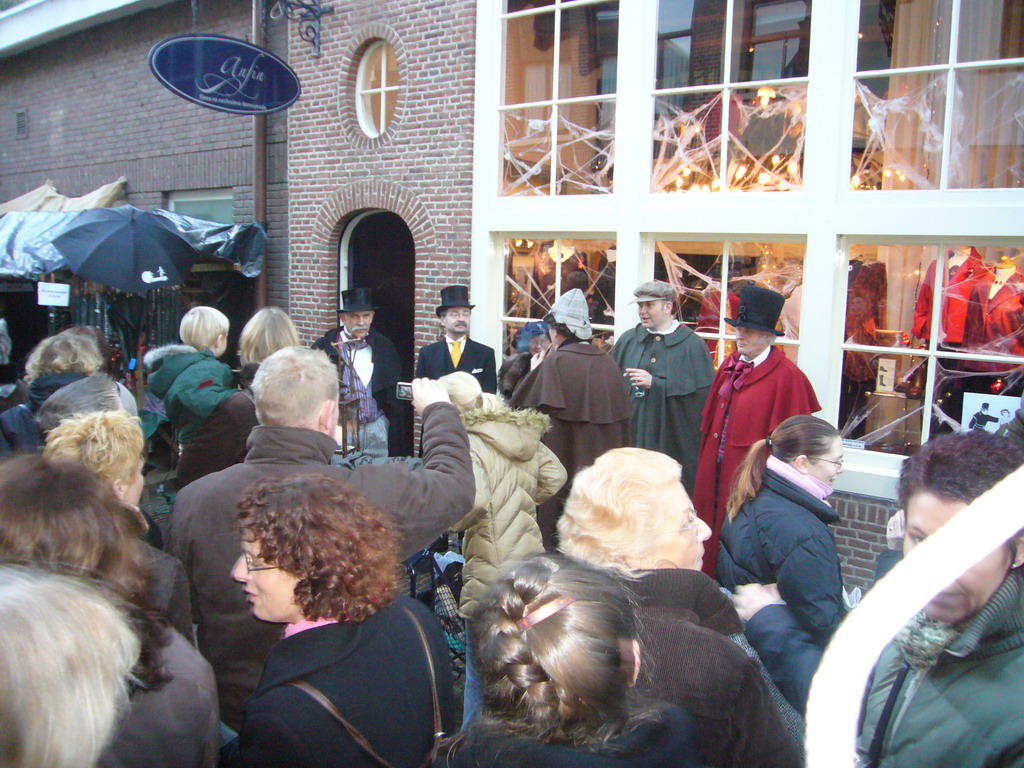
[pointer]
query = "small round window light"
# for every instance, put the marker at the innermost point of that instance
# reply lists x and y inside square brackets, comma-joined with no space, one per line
[377,88]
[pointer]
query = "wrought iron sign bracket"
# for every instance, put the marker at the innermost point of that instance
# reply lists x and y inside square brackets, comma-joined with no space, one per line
[307,13]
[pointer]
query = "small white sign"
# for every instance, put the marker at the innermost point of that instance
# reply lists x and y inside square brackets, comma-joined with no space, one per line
[54,294]
[859,444]
[886,378]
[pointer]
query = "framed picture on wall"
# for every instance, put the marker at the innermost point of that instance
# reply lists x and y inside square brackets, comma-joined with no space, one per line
[988,412]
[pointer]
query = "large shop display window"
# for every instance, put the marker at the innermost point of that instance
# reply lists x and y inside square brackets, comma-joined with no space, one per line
[558,97]
[938,96]
[698,270]
[730,95]
[538,271]
[933,342]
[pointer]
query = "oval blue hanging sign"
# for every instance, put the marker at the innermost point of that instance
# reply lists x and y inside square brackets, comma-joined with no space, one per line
[225,74]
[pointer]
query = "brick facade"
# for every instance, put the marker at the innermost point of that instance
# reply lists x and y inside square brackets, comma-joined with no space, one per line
[860,535]
[420,168]
[96,112]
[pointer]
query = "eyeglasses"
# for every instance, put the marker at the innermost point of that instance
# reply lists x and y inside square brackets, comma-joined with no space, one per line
[837,463]
[250,566]
[691,519]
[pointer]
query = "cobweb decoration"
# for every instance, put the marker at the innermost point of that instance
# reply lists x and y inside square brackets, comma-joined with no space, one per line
[584,163]
[902,133]
[766,142]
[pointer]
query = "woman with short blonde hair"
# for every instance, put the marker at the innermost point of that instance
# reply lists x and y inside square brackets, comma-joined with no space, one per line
[110,443]
[269,330]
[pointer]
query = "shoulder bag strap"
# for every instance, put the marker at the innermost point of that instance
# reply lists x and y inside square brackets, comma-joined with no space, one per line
[875,750]
[318,696]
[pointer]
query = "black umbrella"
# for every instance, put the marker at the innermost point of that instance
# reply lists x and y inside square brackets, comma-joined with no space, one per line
[126,248]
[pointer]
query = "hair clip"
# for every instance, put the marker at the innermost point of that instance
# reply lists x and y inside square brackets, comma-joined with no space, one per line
[768,442]
[546,611]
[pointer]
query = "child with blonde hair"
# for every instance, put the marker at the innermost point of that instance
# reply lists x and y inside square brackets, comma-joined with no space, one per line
[188,377]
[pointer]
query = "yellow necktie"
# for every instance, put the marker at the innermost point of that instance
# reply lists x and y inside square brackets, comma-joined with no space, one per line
[456,353]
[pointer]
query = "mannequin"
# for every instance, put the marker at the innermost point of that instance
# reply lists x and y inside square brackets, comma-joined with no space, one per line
[995,317]
[965,269]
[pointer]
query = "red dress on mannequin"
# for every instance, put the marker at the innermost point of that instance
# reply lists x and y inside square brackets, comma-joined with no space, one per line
[995,324]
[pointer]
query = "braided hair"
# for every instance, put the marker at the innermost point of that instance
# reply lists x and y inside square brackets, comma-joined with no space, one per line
[565,678]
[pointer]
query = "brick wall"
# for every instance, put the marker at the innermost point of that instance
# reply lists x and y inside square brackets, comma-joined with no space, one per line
[420,168]
[860,535]
[96,112]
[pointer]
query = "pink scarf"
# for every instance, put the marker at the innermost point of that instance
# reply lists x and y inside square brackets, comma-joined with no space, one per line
[812,485]
[302,626]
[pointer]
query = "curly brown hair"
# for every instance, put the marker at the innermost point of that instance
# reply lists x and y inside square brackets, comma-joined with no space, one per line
[340,547]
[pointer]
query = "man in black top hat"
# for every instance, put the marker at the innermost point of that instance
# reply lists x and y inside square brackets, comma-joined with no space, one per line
[754,390]
[456,351]
[377,369]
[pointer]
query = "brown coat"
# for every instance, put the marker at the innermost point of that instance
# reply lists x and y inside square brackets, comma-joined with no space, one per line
[581,388]
[204,531]
[221,440]
[690,661]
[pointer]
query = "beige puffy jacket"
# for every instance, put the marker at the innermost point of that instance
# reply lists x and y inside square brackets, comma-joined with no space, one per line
[514,473]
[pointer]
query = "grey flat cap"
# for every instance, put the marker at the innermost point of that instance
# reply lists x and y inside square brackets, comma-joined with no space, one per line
[655,290]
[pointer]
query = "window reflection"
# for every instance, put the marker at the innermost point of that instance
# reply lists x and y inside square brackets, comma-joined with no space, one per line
[886,399]
[771,39]
[538,271]
[698,271]
[553,55]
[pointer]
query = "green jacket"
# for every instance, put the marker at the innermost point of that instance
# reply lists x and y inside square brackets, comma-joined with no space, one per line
[968,710]
[191,384]
[668,417]
[514,472]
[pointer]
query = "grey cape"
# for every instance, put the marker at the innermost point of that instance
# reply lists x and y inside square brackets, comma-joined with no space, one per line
[668,418]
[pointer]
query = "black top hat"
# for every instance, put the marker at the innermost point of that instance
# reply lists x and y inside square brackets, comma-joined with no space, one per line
[454,296]
[759,309]
[357,300]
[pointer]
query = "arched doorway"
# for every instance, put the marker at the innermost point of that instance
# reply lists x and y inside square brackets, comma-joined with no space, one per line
[377,251]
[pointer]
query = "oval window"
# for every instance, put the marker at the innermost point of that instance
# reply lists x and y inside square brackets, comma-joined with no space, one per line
[377,88]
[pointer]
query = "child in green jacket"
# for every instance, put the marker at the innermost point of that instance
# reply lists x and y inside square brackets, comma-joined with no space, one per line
[189,378]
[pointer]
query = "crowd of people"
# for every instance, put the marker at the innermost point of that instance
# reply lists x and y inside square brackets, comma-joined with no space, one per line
[650,575]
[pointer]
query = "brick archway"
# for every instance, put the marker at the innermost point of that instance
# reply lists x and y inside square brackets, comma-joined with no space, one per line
[313,282]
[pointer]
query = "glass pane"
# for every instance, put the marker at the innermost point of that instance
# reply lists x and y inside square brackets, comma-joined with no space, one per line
[526,152]
[372,77]
[987,142]
[770,40]
[967,399]
[371,113]
[538,271]
[687,142]
[217,209]
[529,58]
[695,270]
[690,43]
[991,29]
[897,132]
[880,401]
[985,306]
[511,6]
[392,66]
[908,33]
[390,101]
[589,50]
[586,144]
[766,139]
[889,292]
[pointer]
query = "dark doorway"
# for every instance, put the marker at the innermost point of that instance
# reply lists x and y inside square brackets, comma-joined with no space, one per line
[382,256]
[26,320]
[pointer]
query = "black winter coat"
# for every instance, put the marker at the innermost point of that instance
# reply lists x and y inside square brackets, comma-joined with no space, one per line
[782,536]
[374,672]
[19,426]
[666,741]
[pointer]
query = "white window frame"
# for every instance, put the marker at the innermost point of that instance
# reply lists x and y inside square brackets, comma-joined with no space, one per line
[825,213]
[196,195]
[555,101]
[365,119]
